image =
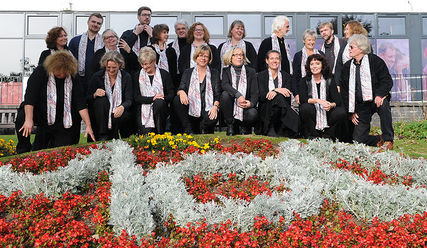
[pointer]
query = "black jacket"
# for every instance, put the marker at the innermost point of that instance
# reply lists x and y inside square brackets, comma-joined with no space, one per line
[296,65]
[184,58]
[305,91]
[263,84]
[250,54]
[251,88]
[186,77]
[262,52]
[168,89]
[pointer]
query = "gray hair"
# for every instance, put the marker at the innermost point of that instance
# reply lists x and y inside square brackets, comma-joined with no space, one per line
[181,22]
[279,23]
[146,53]
[109,30]
[237,23]
[361,41]
[113,56]
[309,32]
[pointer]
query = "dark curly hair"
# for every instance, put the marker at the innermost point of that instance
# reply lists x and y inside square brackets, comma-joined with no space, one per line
[157,30]
[326,71]
[52,35]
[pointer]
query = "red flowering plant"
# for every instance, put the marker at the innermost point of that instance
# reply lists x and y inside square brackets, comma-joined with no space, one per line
[82,219]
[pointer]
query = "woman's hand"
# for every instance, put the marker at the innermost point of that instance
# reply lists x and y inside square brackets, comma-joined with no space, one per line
[27,128]
[270,95]
[89,132]
[99,93]
[158,96]
[355,119]
[213,113]
[183,97]
[284,91]
[119,111]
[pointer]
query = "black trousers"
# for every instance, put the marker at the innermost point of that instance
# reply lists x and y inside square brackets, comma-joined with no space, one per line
[193,124]
[335,117]
[99,109]
[46,136]
[160,114]
[365,111]
[250,115]
[278,115]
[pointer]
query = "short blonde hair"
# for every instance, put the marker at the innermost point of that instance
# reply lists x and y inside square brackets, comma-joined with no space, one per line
[201,49]
[146,53]
[113,56]
[61,61]
[229,54]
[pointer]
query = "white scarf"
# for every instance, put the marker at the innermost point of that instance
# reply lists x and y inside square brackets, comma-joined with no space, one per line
[163,60]
[241,87]
[194,95]
[114,96]
[336,51]
[227,46]
[271,80]
[148,89]
[108,50]
[52,98]
[304,57]
[175,45]
[99,43]
[275,46]
[136,47]
[365,81]
[321,117]
[346,54]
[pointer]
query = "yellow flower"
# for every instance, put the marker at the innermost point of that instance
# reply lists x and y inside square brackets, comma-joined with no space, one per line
[179,135]
[202,151]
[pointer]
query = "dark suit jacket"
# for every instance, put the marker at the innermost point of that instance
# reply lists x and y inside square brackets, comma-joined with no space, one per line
[251,88]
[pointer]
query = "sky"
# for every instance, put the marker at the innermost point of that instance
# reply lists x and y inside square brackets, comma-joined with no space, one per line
[414,6]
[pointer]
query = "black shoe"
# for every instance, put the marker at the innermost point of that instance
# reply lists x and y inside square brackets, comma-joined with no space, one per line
[230,130]
[246,130]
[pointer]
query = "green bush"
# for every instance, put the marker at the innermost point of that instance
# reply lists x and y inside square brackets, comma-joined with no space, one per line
[411,130]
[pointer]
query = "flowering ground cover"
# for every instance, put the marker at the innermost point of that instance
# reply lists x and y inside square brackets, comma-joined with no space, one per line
[172,191]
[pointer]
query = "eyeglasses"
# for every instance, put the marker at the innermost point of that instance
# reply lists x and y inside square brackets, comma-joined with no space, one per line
[238,55]
[110,37]
[204,56]
[199,30]
[145,15]
[352,47]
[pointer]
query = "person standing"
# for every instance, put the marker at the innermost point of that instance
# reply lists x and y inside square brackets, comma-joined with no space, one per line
[366,85]
[280,29]
[332,45]
[56,40]
[84,46]
[181,31]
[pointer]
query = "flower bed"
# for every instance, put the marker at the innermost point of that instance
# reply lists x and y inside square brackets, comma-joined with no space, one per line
[169,191]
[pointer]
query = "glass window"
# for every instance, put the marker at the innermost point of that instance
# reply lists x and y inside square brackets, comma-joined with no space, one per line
[15,30]
[391,26]
[33,49]
[215,24]
[168,20]
[425,26]
[366,20]
[268,21]
[41,24]
[315,21]
[12,50]
[81,25]
[252,24]
[122,22]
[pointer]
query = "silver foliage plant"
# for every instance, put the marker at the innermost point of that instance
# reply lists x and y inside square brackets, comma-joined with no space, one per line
[80,171]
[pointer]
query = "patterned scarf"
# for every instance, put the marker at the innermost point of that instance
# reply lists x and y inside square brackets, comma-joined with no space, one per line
[365,81]
[227,46]
[52,97]
[321,118]
[346,54]
[241,87]
[99,43]
[163,60]
[275,46]
[175,45]
[271,80]
[108,50]
[148,89]
[304,60]
[136,47]
[336,51]
[114,96]
[194,96]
